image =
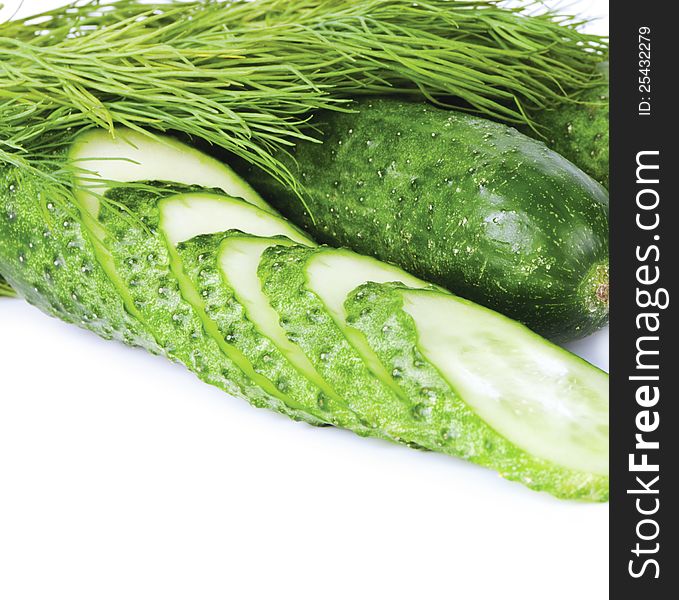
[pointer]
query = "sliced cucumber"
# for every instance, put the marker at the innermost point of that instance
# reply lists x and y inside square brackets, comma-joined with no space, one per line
[239,259]
[172,309]
[333,273]
[185,216]
[224,267]
[518,404]
[385,411]
[47,256]
[131,156]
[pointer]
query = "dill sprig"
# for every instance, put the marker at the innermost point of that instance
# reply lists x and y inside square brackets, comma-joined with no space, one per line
[5,290]
[245,76]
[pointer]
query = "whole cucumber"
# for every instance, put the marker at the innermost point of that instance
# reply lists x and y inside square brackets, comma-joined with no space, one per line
[470,204]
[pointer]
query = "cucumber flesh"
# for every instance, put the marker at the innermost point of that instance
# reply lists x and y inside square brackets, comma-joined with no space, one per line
[131,156]
[239,259]
[546,401]
[333,273]
[185,216]
[456,428]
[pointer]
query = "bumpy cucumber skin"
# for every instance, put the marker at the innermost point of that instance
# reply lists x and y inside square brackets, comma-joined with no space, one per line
[377,311]
[143,263]
[49,259]
[469,204]
[308,324]
[412,420]
[200,260]
[579,132]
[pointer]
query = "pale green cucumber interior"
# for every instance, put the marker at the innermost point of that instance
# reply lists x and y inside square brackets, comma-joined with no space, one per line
[543,399]
[333,273]
[185,216]
[191,295]
[132,156]
[239,259]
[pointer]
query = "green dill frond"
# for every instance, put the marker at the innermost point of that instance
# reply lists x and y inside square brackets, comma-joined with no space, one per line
[246,76]
[5,290]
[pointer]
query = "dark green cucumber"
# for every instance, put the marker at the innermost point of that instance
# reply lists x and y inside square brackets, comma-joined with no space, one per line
[472,205]
[579,131]
[544,418]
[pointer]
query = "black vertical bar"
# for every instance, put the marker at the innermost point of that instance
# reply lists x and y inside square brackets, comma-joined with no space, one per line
[643,557]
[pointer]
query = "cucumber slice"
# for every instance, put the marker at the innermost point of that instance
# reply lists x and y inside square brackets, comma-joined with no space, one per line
[172,309]
[542,398]
[333,273]
[131,156]
[185,216]
[225,267]
[47,257]
[239,259]
[519,404]
[99,161]
[384,410]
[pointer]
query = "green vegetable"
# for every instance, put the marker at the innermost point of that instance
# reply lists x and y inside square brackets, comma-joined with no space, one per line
[243,76]
[517,404]
[245,301]
[505,398]
[49,259]
[470,204]
[579,131]
[225,265]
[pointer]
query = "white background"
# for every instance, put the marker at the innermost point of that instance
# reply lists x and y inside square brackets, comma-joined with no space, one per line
[122,476]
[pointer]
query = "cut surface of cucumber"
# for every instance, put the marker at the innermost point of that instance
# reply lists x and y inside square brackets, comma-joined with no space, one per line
[239,260]
[185,216]
[333,273]
[545,400]
[131,156]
